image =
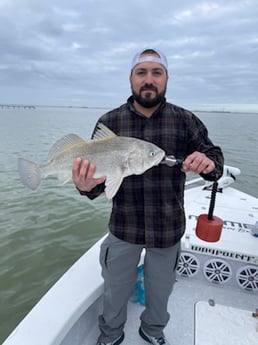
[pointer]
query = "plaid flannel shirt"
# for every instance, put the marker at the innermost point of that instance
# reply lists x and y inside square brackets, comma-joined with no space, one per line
[149,208]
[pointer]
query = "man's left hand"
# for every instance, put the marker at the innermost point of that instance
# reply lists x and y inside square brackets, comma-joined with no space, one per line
[198,163]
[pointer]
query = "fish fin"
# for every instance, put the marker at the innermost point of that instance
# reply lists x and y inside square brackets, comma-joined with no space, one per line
[69,179]
[63,144]
[112,186]
[63,177]
[102,131]
[29,173]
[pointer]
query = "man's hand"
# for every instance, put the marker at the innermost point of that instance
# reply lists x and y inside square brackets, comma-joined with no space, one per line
[83,172]
[199,163]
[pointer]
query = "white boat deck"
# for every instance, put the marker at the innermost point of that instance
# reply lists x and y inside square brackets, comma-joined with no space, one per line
[200,314]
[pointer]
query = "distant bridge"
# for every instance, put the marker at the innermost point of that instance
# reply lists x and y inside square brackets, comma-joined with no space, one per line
[17,106]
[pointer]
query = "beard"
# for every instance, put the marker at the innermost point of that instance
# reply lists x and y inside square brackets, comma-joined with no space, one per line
[146,100]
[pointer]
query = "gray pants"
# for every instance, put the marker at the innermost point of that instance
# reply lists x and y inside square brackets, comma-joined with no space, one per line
[119,260]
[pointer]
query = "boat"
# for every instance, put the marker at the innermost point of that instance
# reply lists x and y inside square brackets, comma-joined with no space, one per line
[215,297]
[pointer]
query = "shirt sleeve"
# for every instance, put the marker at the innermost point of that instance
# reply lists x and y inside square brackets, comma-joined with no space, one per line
[94,193]
[200,141]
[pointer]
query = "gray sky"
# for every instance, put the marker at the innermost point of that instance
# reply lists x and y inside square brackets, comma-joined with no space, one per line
[63,52]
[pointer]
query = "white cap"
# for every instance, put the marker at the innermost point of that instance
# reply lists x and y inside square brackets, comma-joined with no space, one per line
[149,57]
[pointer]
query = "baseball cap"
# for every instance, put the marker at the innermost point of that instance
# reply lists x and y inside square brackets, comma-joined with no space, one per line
[149,57]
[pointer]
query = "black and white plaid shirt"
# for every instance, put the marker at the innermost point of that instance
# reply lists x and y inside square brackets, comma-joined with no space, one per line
[149,208]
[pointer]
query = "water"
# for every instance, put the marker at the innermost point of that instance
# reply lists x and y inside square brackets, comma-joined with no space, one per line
[43,233]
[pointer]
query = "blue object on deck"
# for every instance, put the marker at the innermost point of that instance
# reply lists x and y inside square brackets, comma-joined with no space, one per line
[138,295]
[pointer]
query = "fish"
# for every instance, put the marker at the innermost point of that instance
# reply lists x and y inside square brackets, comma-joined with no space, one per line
[115,157]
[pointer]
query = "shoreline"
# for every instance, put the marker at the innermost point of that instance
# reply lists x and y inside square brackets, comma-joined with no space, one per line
[39,106]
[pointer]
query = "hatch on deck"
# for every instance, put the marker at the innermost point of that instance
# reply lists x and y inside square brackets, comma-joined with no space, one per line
[217,324]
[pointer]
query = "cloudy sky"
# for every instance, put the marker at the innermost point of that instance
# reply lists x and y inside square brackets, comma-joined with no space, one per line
[63,52]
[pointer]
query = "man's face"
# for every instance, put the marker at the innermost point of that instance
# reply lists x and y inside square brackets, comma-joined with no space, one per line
[148,83]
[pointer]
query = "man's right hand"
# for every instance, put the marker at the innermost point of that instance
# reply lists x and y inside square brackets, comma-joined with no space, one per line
[83,172]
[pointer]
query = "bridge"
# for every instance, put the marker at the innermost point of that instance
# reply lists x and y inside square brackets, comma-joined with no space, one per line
[17,106]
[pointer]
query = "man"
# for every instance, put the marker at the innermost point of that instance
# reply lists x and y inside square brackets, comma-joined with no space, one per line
[148,210]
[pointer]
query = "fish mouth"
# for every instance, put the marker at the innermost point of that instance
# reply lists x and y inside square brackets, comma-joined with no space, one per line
[161,159]
[172,161]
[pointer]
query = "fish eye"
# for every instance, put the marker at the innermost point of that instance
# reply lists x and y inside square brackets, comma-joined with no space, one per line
[152,153]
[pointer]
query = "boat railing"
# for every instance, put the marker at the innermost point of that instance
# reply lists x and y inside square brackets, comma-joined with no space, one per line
[228,177]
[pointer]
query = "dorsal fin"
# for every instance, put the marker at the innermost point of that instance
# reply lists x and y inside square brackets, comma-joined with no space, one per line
[103,131]
[63,144]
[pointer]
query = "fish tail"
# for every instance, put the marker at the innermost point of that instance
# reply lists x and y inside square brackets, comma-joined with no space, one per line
[29,173]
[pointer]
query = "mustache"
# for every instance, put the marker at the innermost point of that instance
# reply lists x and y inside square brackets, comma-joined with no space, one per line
[148,87]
